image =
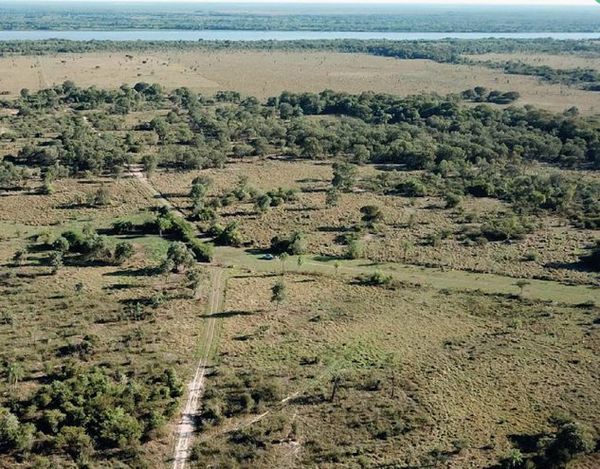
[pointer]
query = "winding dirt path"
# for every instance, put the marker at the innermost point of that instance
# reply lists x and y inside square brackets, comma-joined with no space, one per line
[186,427]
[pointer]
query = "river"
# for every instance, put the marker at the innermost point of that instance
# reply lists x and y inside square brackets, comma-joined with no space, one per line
[236,35]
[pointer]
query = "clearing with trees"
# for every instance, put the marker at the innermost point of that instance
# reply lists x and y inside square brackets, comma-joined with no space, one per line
[357,254]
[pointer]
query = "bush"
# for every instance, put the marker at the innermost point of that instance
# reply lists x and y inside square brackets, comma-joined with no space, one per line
[123,251]
[293,245]
[202,252]
[376,279]
[14,436]
[570,441]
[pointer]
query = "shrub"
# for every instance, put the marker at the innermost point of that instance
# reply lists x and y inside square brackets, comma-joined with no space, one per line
[123,251]
[570,441]
[376,279]
[14,436]
[202,252]
[293,245]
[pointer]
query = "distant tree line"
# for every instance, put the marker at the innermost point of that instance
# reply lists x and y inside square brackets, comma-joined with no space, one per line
[442,19]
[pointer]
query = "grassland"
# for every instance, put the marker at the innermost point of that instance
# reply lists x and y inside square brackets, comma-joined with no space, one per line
[426,377]
[553,61]
[269,73]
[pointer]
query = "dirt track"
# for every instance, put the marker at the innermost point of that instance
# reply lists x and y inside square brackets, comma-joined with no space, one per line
[186,428]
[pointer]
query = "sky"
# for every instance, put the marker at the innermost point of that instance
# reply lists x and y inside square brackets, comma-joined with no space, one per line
[444,2]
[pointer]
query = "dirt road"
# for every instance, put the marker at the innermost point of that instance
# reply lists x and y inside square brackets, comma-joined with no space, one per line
[186,427]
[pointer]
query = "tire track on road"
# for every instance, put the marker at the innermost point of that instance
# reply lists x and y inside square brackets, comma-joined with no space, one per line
[186,427]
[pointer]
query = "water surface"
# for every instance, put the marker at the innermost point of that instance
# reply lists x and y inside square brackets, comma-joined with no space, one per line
[236,35]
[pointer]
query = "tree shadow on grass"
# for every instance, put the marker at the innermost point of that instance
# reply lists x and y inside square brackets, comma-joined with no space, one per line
[301,209]
[327,258]
[141,272]
[119,286]
[231,314]
[575,266]
[526,443]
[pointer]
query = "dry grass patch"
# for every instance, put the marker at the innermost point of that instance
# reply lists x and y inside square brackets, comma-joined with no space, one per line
[69,202]
[554,61]
[269,73]
[425,376]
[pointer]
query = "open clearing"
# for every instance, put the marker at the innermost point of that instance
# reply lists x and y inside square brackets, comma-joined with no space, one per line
[265,74]
[553,61]
[557,247]
[426,377]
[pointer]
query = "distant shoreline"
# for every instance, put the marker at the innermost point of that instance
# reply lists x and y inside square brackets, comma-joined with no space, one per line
[260,35]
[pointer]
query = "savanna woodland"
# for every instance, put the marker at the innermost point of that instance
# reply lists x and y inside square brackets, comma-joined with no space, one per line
[357,275]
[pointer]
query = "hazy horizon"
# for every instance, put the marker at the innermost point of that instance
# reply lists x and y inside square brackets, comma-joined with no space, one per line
[325,2]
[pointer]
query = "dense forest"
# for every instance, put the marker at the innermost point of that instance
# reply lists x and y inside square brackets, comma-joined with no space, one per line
[321,18]
[443,50]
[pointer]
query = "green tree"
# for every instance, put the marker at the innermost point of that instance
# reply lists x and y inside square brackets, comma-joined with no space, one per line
[163,223]
[522,284]
[406,247]
[194,279]
[119,429]
[354,250]
[262,203]
[332,198]
[75,442]
[14,436]
[283,257]
[371,215]
[571,440]
[278,293]
[56,261]
[61,244]
[344,176]
[19,257]
[180,256]
[123,252]
[149,163]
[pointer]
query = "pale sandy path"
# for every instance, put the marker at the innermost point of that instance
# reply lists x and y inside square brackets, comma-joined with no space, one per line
[186,427]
